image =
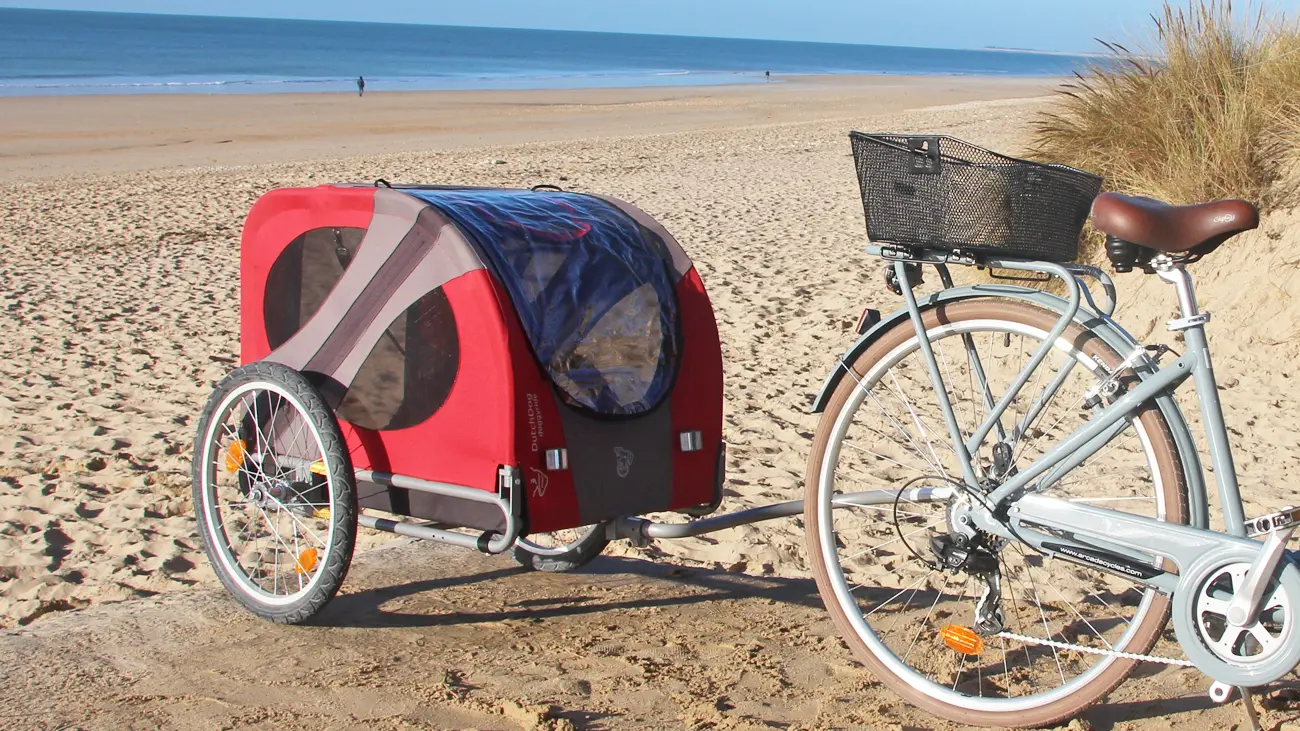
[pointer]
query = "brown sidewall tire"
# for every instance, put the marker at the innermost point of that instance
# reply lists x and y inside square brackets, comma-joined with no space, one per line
[1166,457]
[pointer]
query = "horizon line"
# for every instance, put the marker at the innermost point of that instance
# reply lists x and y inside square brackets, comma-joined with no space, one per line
[994,49]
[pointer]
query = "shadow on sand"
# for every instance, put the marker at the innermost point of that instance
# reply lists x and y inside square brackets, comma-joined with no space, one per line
[572,594]
[564,595]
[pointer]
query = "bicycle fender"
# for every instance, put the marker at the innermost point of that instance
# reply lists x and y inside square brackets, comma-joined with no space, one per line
[1107,329]
[954,294]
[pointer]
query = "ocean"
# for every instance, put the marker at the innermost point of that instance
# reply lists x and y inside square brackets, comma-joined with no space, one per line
[62,52]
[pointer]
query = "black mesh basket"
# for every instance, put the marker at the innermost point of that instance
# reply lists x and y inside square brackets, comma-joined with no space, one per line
[938,192]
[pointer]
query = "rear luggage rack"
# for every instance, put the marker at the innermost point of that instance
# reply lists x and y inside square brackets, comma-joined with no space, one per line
[938,192]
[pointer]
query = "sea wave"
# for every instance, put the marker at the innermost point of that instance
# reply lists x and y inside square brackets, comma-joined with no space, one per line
[146,83]
[11,86]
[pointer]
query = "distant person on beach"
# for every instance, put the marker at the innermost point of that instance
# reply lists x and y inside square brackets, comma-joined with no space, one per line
[361,86]
[768,74]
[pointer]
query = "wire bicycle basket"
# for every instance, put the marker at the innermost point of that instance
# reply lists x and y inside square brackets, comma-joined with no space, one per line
[938,192]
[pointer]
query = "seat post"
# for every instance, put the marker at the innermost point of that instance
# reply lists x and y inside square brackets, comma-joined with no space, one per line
[1192,325]
[1174,273]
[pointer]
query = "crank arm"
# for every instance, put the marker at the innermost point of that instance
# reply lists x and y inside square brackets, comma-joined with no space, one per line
[1277,529]
[1221,693]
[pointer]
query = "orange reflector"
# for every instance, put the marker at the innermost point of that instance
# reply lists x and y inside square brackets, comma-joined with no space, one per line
[317,468]
[962,639]
[306,561]
[235,455]
[321,513]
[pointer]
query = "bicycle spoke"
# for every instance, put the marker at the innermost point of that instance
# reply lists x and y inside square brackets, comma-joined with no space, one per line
[917,421]
[892,541]
[900,592]
[916,449]
[883,457]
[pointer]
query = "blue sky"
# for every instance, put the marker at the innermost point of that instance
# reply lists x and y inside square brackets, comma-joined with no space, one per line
[1053,25]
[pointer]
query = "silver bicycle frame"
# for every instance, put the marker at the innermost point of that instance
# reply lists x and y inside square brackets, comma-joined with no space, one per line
[1050,524]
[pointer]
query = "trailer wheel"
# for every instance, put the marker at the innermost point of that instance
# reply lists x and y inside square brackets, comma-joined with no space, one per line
[563,550]
[274,497]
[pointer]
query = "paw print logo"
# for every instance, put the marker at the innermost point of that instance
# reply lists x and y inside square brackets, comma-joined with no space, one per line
[623,461]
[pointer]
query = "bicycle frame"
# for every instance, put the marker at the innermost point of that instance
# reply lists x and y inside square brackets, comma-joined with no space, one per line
[1121,543]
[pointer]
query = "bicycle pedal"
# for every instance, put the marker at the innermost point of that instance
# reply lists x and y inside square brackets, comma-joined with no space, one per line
[1283,519]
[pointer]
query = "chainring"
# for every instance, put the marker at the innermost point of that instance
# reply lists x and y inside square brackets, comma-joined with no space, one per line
[1249,656]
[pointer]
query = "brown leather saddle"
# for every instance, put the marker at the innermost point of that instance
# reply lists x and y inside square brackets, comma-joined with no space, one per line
[1191,231]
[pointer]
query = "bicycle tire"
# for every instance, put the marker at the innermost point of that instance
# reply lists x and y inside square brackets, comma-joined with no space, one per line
[1172,489]
[568,556]
[265,384]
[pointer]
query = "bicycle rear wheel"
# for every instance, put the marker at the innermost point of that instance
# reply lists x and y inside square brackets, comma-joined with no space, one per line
[883,429]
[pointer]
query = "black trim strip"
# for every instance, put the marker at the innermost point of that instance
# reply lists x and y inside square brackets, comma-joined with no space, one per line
[1112,562]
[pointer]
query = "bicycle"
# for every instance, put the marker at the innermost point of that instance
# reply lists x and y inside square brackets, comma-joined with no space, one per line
[1004,503]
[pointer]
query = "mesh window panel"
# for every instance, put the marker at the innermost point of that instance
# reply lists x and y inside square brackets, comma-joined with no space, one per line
[303,276]
[594,291]
[410,372]
[617,359]
[938,192]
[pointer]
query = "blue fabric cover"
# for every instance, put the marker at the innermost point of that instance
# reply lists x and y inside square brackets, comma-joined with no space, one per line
[594,289]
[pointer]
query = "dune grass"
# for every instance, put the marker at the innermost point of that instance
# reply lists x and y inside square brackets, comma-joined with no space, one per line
[1209,109]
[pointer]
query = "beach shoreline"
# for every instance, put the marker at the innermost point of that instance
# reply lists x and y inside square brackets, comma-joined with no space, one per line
[145,86]
[43,137]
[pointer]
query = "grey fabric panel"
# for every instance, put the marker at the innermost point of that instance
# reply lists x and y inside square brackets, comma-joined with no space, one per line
[644,445]
[378,497]
[367,303]
[681,261]
[450,511]
[449,257]
[395,215]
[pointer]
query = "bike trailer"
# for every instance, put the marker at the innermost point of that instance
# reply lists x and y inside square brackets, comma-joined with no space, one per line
[459,331]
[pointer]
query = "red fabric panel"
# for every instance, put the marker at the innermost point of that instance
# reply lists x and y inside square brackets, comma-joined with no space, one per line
[471,435]
[275,220]
[551,499]
[696,400]
[502,408]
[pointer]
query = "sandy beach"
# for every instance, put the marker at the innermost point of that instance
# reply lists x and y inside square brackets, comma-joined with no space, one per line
[119,229]
[43,137]
[426,637]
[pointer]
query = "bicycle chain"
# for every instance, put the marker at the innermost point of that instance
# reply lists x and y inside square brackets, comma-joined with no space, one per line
[1094,650]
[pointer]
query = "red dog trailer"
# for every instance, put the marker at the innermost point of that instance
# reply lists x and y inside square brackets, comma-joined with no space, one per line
[517,362]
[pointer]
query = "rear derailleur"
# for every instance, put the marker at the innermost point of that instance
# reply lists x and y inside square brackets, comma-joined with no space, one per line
[975,557]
